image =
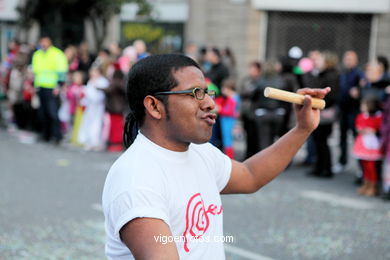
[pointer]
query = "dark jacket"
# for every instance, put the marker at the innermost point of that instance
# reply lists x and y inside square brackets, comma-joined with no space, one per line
[348,80]
[275,81]
[330,78]
[217,74]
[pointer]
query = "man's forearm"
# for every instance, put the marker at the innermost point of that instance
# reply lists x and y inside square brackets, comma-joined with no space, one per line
[261,168]
[269,163]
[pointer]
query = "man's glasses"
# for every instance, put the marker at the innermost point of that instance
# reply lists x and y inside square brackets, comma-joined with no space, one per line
[198,93]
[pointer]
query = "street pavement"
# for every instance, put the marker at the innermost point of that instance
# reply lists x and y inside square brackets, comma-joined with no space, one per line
[50,208]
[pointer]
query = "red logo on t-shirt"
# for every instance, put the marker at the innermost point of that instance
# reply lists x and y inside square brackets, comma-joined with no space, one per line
[197,218]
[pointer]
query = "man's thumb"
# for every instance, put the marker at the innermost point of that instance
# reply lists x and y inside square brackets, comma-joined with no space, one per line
[307,102]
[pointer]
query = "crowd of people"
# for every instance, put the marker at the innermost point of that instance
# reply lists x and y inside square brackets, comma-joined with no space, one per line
[69,95]
[79,97]
[358,104]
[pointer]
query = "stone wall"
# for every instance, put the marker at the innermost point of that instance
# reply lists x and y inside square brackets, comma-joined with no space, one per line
[223,23]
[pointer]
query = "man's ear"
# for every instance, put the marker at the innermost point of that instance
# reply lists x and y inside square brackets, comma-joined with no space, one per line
[154,107]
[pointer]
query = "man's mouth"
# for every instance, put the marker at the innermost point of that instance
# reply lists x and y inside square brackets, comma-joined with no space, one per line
[209,118]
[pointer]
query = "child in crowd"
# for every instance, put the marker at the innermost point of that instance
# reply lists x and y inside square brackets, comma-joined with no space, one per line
[77,119]
[367,146]
[74,94]
[90,133]
[228,110]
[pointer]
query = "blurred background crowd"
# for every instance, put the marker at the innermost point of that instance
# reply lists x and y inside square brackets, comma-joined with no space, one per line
[75,97]
[63,104]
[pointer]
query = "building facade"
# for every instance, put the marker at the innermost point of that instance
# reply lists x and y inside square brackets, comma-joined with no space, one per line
[163,33]
[8,19]
[253,29]
[267,29]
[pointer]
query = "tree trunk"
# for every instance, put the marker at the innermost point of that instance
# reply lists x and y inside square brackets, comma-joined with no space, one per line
[52,25]
[58,28]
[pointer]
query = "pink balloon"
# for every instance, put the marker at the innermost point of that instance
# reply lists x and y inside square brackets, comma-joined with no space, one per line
[306,64]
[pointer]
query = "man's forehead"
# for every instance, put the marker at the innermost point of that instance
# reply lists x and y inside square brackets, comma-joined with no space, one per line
[189,77]
[188,73]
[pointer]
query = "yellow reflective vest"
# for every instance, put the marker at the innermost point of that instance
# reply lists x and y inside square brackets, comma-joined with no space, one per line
[49,67]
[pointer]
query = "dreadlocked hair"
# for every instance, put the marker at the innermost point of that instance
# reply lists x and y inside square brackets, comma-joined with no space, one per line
[148,76]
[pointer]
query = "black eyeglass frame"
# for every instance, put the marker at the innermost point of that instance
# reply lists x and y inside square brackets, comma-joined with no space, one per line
[191,92]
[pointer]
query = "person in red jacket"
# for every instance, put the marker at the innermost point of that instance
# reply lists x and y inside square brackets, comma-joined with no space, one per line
[228,107]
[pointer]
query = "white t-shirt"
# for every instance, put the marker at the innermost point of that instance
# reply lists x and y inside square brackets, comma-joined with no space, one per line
[181,188]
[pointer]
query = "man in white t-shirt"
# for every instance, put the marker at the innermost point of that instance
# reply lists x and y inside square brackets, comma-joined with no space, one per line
[161,198]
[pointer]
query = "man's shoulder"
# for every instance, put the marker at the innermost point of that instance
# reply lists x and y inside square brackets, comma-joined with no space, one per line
[135,158]
[133,168]
[55,51]
[38,52]
[54,48]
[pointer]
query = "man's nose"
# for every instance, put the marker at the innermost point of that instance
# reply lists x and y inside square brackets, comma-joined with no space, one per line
[208,103]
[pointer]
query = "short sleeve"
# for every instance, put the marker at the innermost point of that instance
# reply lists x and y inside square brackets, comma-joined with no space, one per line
[136,203]
[223,170]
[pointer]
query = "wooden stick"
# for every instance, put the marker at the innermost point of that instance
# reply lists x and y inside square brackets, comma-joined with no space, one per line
[291,97]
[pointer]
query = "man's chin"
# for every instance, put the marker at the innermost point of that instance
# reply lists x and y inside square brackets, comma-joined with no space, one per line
[203,139]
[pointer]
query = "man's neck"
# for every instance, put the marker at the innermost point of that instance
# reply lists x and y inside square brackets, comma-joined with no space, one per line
[163,141]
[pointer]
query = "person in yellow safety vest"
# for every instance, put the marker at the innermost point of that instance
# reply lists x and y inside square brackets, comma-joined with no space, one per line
[49,65]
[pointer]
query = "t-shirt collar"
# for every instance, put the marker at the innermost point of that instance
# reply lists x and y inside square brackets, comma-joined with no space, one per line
[166,153]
